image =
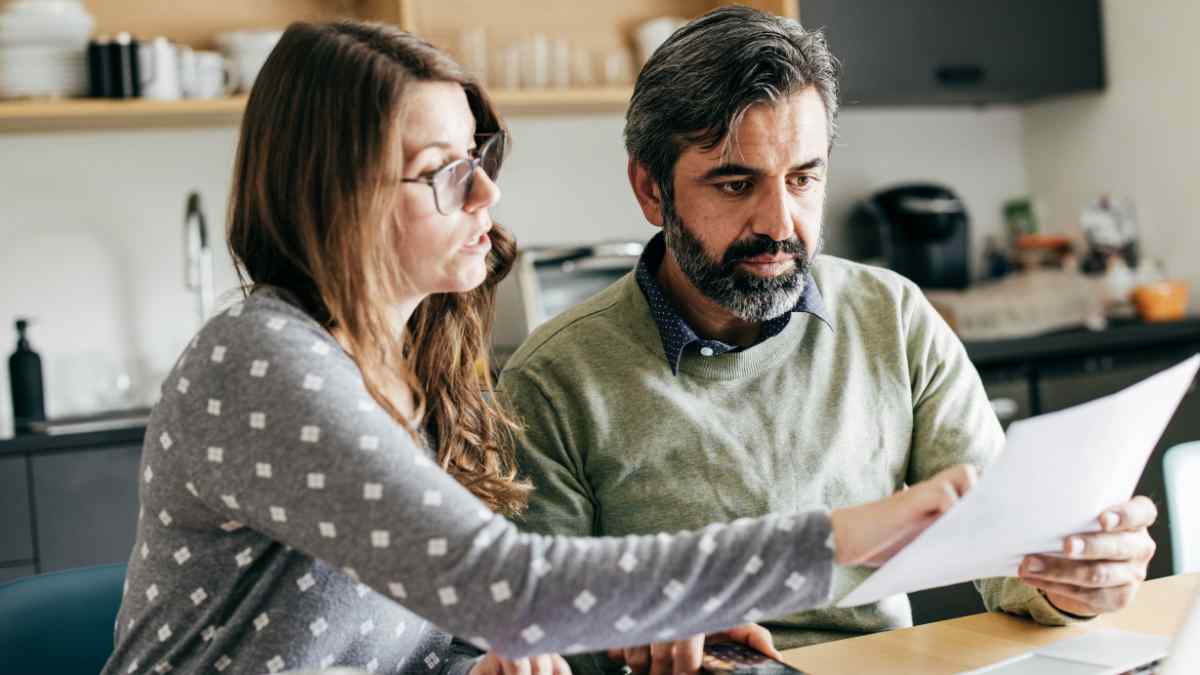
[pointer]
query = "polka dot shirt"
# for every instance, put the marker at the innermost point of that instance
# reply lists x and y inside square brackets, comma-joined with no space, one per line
[288,523]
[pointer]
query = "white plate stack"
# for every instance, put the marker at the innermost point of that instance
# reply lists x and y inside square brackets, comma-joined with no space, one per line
[43,48]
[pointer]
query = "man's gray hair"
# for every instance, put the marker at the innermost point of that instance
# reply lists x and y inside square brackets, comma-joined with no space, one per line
[700,82]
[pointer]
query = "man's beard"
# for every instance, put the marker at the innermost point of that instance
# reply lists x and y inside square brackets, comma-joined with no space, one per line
[744,294]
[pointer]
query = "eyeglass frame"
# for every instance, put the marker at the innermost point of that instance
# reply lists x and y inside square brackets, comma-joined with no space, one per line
[475,162]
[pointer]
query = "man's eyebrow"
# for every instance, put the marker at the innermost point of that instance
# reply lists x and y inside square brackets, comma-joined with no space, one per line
[734,169]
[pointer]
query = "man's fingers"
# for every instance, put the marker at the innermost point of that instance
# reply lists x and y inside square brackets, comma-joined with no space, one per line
[1095,600]
[1082,573]
[638,658]
[661,662]
[1136,546]
[1135,514]
[561,667]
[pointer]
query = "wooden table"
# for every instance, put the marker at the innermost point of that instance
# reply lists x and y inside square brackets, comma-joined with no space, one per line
[948,647]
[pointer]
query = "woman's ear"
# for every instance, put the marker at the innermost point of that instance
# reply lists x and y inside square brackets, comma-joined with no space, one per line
[646,189]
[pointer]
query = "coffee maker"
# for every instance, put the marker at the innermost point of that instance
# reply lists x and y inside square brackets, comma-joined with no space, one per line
[919,230]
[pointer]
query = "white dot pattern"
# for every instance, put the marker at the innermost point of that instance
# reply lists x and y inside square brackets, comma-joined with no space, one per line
[343,522]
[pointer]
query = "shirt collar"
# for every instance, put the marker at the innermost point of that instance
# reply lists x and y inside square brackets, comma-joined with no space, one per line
[675,332]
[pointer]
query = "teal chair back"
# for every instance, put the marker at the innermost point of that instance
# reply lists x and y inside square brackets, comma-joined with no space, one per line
[1181,472]
[61,622]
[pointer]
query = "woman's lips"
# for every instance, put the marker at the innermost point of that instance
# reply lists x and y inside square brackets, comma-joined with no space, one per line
[481,244]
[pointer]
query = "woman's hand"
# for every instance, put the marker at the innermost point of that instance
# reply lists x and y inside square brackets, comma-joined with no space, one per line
[547,664]
[685,656]
[870,534]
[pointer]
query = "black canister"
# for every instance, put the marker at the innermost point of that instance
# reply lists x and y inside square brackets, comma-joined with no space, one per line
[123,59]
[25,376]
[100,68]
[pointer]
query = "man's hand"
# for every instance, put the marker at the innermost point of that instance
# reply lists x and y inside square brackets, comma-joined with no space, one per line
[1098,572]
[684,656]
[551,664]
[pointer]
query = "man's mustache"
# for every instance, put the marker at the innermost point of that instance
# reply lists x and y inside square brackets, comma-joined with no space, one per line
[762,245]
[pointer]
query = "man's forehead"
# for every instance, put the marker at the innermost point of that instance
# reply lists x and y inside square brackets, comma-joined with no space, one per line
[793,131]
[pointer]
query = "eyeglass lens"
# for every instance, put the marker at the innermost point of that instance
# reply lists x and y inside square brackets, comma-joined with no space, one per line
[452,185]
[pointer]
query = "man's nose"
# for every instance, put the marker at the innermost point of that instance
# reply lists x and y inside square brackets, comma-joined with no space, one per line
[773,215]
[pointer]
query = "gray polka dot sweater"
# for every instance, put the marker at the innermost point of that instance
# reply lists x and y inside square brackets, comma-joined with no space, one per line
[287,522]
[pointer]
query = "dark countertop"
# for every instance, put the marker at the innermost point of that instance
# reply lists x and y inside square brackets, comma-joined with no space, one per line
[1119,337]
[39,443]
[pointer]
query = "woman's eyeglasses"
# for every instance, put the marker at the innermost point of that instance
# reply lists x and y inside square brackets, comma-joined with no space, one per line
[452,183]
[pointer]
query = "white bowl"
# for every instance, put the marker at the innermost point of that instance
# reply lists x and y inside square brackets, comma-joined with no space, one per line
[45,22]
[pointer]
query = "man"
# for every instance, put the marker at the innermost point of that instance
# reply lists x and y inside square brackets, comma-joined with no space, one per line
[737,372]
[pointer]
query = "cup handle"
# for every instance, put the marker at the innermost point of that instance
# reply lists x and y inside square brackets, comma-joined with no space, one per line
[231,76]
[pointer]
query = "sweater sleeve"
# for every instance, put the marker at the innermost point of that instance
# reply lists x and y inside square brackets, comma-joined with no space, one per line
[562,502]
[277,432]
[953,423]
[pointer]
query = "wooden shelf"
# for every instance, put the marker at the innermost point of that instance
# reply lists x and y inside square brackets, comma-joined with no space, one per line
[596,26]
[88,114]
[91,114]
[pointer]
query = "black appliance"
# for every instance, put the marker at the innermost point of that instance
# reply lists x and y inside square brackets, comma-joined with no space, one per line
[919,230]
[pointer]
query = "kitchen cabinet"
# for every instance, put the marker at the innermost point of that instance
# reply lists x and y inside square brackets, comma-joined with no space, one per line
[86,504]
[1008,392]
[961,51]
[1072,383]
[16,535]
[599,28]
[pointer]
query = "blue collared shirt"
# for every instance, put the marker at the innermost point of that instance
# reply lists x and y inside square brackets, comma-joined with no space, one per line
[674,330]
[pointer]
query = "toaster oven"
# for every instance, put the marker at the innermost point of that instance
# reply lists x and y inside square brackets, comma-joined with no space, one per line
[548,280]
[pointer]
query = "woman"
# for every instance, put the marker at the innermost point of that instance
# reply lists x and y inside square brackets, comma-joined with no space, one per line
[318,487]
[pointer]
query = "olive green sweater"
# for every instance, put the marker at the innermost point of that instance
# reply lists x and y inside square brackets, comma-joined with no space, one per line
[817,416]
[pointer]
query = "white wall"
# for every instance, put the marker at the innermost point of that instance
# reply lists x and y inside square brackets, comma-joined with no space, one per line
[91,223]
[566,179]
[1140,138]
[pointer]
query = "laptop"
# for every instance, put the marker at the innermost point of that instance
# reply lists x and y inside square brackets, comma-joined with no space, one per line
[1112,652]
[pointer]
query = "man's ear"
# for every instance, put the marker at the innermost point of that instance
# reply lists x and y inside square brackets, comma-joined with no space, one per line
[645,188]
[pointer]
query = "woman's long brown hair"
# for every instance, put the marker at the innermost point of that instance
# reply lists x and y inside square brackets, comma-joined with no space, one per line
[311,213]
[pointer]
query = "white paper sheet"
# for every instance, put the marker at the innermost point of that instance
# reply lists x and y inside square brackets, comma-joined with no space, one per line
[1058,472]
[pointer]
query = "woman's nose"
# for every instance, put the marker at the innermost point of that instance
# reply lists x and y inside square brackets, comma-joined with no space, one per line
[484,192]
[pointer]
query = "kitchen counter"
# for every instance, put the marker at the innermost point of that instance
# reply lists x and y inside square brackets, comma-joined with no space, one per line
[123,427]
[38,443]
[1118,337]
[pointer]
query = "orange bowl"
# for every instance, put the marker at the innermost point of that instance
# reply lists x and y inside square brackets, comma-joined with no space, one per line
[1162,300]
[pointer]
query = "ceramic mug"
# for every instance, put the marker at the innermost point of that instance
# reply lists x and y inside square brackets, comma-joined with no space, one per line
[205,74]
[247,51]
[158,62]
[652,33]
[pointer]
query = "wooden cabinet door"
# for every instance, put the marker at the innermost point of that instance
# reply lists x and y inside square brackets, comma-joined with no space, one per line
[86,504]
[960,51]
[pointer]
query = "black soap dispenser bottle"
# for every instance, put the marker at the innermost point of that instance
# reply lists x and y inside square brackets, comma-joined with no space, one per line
[25,376]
